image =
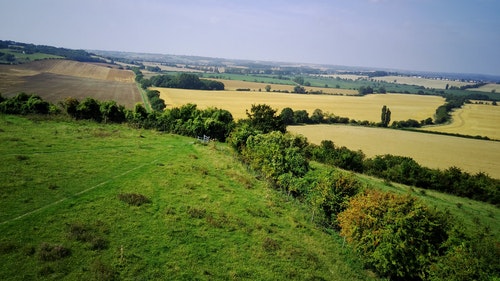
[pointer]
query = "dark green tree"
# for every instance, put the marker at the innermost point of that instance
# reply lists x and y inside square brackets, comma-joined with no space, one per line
[317,116]
[286,116]
[263,118]
[386,116]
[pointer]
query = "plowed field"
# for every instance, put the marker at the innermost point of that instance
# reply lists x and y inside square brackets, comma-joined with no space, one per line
[55,80]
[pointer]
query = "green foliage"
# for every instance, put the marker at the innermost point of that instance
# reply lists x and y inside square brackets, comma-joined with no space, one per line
[156,102]
[275,154]
[452,180]
[365,90]
[397,236]
[182,81]
[287,116]
[263,118]
[299,90]
[89,109]
[341,157]
[329,194]
[468,257]
[24,104]
[386,116]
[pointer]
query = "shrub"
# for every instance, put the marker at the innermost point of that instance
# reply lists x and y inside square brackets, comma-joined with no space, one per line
[397,236]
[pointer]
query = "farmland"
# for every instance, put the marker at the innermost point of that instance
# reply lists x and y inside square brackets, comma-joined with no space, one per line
[424,82]
[54,80]
[473,120]
[360,108]
[489,88]
[434,151]
[234,85]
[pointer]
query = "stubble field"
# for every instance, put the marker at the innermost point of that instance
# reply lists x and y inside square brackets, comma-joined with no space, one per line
[429,150]
[368,107]
[55,80]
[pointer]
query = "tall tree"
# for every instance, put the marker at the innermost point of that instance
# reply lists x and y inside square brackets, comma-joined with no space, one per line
[386,116]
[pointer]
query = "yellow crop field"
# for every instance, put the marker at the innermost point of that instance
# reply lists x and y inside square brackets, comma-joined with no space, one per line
[428,83]
[488,88]
[474,120]
[433,151]
[233,85]
[368,107]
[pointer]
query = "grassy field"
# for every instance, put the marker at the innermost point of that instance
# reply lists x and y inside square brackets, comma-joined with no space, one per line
[368,107]
[54,80]
[425,82]
[205,218]
[473,120]
[433,151]
[23,57]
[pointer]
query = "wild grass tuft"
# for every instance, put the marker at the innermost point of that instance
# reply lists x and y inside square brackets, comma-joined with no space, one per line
[134,199]
[49,252]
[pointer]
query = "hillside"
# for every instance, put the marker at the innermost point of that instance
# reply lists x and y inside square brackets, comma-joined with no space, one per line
[55,80]
[81,200]
[204,216]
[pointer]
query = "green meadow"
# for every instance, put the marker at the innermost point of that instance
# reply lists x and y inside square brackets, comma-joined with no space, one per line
[86,201]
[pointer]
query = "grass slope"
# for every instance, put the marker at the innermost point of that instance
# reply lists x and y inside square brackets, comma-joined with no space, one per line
[207,217]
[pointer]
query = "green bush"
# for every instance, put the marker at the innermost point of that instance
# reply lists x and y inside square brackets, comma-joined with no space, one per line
[397,236]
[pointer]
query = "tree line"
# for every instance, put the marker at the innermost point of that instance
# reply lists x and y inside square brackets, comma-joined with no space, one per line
[181,81]
[397,236]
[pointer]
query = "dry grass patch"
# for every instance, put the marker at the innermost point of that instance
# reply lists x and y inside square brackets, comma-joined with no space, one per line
[473,120]
[433,151]
[368,107]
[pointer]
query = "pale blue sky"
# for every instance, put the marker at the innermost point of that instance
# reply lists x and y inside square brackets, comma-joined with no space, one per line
[428,35]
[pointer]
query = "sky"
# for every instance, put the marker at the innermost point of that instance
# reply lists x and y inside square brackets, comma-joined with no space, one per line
[459,36]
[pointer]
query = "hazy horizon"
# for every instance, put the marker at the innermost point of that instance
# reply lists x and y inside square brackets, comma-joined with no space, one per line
[426,35]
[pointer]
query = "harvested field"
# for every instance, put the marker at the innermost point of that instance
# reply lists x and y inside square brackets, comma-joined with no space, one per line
[55,80]
[473,120]
[233,85]
[368,107]
[428,83]
[489,88]
[433,151]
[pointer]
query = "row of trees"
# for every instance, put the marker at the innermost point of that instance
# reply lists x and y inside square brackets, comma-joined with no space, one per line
[157,103]
[182,81]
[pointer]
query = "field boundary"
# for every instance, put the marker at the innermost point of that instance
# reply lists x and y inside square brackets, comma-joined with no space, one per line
[77,194]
